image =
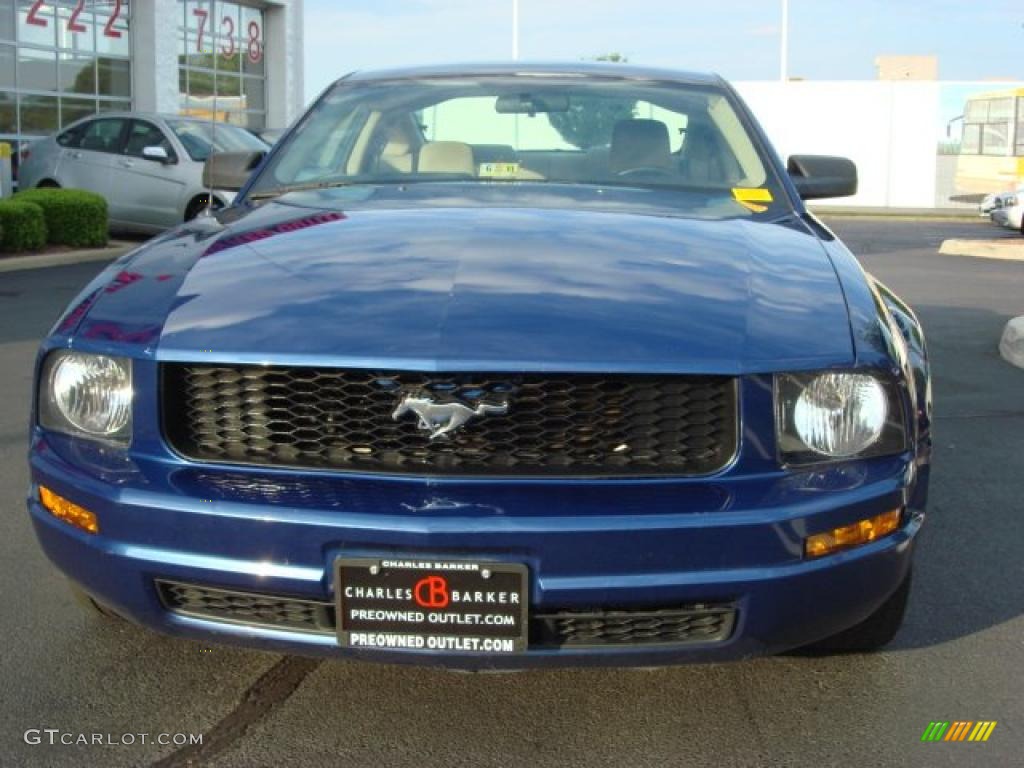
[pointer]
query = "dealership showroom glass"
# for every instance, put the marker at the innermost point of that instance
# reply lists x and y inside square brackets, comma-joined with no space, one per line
[61,61]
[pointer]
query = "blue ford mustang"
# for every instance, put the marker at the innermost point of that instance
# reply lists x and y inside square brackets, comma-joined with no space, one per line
[495,367]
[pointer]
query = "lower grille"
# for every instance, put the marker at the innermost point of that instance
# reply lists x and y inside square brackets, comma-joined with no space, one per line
[696,624]
[247,608]
[701,623]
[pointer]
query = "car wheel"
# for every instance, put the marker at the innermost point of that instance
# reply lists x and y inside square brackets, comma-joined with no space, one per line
[876,631]
[90,606]
[198,205]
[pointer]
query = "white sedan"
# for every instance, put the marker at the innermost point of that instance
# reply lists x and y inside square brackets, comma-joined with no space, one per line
[148,167]
[1005,209]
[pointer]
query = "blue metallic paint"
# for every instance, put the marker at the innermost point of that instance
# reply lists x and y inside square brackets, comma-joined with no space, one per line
[508,279]
[482,287]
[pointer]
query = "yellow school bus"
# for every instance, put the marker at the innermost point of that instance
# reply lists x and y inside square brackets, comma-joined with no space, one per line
[992,147]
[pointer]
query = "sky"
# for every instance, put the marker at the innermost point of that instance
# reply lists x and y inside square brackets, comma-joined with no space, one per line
[739,39]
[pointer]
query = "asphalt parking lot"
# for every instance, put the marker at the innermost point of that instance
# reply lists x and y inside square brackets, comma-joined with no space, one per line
[959,656]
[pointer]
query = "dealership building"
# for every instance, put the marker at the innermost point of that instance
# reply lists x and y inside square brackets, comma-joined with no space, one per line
[239,62]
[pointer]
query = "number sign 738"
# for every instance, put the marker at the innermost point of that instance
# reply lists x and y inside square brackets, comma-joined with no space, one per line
[74,25]
[254,48]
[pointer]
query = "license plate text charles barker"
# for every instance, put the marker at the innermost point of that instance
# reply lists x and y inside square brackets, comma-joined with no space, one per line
[407,594]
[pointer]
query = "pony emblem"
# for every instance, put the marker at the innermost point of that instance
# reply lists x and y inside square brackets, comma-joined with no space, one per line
[442,418]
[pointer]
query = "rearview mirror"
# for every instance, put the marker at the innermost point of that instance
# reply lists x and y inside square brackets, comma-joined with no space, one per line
[531,104]
[819,176]
[156,153]
[229,170]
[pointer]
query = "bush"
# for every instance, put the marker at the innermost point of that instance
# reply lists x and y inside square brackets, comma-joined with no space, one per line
[22,226]
[73,216]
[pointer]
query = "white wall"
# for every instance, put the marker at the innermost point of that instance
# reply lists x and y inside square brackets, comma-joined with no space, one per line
[285,82]
[155,55]
[887,128]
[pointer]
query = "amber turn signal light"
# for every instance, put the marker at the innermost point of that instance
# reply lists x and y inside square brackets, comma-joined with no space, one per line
[68,511]
[852,535]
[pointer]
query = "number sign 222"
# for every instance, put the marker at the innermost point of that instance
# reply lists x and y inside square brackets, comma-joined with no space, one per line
[74,25]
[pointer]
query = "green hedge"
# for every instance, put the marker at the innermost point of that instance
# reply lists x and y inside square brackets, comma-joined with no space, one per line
[73,216]
[22,225]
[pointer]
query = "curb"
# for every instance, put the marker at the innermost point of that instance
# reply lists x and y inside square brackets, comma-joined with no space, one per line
[899,214]
[40,261]
[1006,250]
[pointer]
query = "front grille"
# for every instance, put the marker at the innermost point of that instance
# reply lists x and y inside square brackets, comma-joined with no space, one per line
[695,624]
[536,424]
[700,623]
[247,607]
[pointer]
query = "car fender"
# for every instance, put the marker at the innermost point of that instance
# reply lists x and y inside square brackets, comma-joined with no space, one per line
[905,325]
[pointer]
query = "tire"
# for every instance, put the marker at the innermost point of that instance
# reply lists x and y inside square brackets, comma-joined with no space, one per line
[90,606]
[872,634]
[47,184]
[198,204]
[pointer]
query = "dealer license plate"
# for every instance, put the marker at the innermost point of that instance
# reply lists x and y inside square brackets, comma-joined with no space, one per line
[431,604]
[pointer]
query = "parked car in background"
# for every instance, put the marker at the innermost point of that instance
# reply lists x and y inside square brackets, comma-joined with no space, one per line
[1005,209]
[149,167]
[989,202]
[271,135]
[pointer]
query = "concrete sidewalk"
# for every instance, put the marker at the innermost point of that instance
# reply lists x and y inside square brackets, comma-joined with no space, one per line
[112,251]
[928,214]
[1010,249]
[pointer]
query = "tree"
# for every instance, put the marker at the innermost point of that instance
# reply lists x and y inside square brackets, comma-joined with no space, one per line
[590,120]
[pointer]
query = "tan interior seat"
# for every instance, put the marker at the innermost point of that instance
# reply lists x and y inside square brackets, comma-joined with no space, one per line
[639,143]
[397,153]
[702,158]
[446,157]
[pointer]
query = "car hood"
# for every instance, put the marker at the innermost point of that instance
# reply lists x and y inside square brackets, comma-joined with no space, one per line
[501,288]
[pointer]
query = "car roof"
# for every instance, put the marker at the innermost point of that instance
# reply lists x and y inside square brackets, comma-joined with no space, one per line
[152,116]
[539,69]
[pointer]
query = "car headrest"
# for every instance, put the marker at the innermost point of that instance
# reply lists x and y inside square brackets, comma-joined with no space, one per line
[702,160]
[446,157]
[639,144]
[397,144]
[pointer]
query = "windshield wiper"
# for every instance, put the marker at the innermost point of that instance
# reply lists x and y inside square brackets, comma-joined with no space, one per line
[277,192]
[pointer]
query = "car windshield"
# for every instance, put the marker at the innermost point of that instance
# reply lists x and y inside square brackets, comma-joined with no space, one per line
[529,129]
[197,138]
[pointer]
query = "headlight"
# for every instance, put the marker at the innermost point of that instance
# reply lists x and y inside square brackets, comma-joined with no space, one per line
[88,395]
[837,415]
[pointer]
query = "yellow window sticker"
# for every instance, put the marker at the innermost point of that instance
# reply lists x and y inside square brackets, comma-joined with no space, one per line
[498,170]
[752,198]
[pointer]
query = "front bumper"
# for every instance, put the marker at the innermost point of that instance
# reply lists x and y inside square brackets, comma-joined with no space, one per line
[586,544]
[1009,216]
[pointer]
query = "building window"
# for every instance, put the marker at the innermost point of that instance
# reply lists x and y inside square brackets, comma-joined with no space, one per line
[59,62]
[221,63]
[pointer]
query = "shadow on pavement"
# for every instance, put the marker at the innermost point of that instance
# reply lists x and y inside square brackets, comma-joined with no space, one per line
[967,565]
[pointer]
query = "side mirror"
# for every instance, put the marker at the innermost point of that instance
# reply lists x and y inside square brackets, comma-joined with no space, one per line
[818,176]
[229,170]
[156,154]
